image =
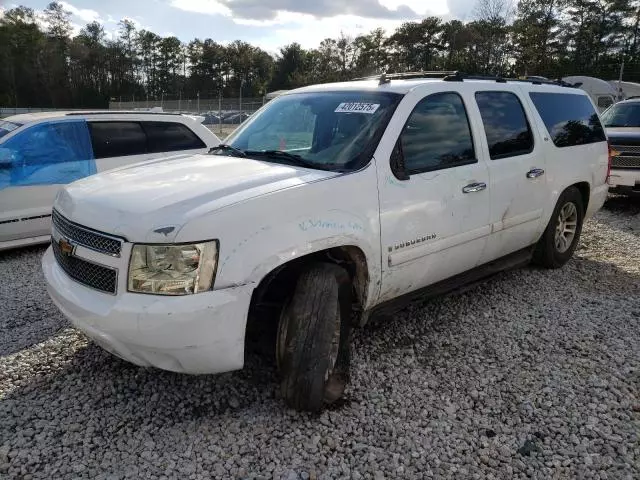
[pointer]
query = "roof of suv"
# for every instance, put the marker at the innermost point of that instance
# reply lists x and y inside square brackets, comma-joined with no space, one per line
[404,86]
[57,114]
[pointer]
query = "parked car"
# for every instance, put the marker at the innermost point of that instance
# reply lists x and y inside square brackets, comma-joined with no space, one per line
[39,152]
[332,203]
[211,119]
[622,122]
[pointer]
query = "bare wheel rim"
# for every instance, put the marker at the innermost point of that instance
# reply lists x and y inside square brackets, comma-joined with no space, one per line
[566,227]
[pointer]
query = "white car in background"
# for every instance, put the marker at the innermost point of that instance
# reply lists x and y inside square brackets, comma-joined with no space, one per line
[40,152]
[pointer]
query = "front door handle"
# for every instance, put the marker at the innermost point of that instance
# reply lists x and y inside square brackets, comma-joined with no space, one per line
[474,187]
[535,173]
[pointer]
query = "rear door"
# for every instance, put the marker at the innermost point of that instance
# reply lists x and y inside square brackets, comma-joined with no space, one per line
[517,168]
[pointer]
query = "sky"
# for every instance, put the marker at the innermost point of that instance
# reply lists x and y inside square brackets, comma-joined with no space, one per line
[269,24]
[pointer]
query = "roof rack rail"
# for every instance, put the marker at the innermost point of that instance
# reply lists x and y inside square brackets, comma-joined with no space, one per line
[119,112]
[459,77]
[385,77]
[456,76]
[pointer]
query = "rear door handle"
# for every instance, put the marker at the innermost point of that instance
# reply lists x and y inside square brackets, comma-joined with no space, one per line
[474,187]
[535,173]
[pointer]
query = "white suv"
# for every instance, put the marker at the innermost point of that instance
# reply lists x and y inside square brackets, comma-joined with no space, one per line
[39,152]
[330,203]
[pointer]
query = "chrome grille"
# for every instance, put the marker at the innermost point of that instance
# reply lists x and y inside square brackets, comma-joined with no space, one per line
[625,162]
[100,242]
[87,273]
[629,156]
[627,150]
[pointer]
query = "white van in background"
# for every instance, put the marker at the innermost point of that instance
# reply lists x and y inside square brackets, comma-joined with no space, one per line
[601,92]
[626,89]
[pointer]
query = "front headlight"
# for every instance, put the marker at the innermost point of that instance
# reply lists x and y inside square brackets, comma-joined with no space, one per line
[179,269]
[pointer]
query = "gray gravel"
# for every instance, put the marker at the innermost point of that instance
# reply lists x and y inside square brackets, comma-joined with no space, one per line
[535,374]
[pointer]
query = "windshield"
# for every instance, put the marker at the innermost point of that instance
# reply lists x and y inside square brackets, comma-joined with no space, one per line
[622,115]
[6,127]
[324,130]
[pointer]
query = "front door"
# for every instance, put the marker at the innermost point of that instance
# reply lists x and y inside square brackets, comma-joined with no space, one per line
[435,219]
[37,161]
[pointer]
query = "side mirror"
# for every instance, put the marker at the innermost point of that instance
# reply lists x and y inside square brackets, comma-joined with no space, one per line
[397,162]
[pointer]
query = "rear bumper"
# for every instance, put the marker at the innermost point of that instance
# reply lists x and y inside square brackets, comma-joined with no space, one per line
[596,200]
[201,333]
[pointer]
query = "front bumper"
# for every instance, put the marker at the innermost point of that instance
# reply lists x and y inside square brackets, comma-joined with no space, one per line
[621,177]
[200,333]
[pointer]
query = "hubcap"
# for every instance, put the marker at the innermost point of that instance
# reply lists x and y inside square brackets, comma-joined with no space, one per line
[566,227]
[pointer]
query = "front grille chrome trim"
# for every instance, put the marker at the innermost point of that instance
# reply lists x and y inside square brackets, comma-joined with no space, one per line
[92,239]
[90,274]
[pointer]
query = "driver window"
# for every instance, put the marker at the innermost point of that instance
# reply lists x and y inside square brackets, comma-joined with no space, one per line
[437,135]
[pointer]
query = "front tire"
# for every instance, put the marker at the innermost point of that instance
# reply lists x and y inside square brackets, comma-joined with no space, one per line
[313,338]
[560,238]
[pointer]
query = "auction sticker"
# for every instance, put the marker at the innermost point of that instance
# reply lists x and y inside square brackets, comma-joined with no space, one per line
[356,107]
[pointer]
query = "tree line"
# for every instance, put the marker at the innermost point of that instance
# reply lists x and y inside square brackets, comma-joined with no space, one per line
[43,65]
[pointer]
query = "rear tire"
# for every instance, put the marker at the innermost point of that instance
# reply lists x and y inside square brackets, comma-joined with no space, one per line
[313,338]
[560,238]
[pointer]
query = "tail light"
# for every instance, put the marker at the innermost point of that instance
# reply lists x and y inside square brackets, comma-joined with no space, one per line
[612,153]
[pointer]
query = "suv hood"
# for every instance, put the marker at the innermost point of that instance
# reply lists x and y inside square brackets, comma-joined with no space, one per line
[134,201]
[624,135]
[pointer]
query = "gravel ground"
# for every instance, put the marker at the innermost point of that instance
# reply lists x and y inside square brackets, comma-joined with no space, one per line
[535,374]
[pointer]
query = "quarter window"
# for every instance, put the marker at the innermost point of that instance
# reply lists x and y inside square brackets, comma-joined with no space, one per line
[570,118]
[437,135]
[605,101]
[505,124]
[117,139]
[169,137]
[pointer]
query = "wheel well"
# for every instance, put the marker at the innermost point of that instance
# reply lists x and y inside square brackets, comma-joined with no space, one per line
[274,289]
[585,191]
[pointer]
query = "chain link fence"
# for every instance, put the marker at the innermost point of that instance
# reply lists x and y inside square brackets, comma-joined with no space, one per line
[221,114]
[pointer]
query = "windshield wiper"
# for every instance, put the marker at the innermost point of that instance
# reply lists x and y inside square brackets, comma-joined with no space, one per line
[228,148]
[289,157]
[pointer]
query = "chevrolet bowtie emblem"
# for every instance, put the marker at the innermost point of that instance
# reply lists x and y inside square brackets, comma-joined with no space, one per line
[66,247]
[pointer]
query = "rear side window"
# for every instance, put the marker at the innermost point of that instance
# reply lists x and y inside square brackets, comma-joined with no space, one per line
[437,135]
[505,124]
[169,137]
[570,118]
[605,101]
[117,139]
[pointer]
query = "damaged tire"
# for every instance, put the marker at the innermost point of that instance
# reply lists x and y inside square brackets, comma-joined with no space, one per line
[313,338]
[560,238]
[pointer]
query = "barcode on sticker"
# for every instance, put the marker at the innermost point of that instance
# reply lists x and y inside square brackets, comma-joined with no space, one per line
[357,107]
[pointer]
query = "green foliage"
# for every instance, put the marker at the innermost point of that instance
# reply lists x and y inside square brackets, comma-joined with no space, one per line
[46,66]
